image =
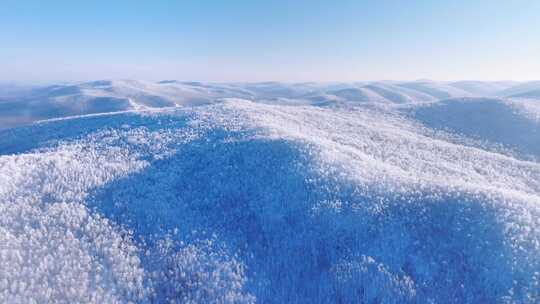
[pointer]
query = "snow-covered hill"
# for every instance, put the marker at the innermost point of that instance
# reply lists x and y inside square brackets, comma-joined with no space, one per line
[21,105]
[106,96]
[513,124]
[273,197]
[520,89]
[483,88]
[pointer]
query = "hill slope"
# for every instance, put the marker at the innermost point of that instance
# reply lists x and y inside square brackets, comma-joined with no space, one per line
[23,105]
[240,201]
[513,124]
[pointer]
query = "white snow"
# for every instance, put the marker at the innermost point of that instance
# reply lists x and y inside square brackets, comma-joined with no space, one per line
[23,105]
[511,123]
[274,200]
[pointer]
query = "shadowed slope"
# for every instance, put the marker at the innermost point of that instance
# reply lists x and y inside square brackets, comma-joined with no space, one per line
[493,120]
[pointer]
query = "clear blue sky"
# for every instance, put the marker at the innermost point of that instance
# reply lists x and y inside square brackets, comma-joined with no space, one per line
[284,40]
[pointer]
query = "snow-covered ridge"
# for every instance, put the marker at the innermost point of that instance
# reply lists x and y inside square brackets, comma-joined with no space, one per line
[242,201]
[24,105]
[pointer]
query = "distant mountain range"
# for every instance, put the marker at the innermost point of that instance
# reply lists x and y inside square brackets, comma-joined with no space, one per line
[21,105]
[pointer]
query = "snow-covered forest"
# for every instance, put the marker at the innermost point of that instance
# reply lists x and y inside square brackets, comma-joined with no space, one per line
[370,192]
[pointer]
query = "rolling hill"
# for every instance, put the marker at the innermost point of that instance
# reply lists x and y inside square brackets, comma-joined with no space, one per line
[208,198]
